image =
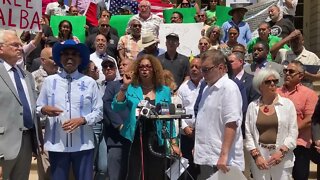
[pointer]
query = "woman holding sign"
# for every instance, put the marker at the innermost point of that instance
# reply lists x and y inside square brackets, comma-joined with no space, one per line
[65,31]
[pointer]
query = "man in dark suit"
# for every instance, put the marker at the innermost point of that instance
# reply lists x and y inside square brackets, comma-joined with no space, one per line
[18,123]
[260,53]
[118,146]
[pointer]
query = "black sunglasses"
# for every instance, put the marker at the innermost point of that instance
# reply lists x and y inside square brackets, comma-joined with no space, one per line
[274,81]
[290,71]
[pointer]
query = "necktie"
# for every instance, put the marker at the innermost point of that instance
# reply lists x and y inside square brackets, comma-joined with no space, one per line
[27,117]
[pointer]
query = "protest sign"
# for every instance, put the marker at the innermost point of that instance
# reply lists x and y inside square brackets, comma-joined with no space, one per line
[120,23]
[20,15]
[188,14]
[78,23]
[189,35]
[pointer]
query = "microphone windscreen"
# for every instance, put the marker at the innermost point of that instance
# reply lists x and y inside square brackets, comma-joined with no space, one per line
[172,109]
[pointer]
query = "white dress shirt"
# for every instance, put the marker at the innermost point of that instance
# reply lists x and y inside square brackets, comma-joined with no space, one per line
[220,104]
[188,93]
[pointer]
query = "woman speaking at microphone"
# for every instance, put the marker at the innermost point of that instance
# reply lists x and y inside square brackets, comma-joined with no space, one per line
[145,81]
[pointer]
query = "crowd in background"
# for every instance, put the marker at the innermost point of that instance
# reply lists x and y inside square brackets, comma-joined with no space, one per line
[75,106]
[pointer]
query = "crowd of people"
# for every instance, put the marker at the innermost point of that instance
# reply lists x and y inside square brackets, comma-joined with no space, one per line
[78,108]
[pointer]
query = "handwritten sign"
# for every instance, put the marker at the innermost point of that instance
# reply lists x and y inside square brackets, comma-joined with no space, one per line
[22,15]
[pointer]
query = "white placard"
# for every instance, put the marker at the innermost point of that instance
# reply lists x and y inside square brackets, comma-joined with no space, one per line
[20,14]
[234,173]
[189,35]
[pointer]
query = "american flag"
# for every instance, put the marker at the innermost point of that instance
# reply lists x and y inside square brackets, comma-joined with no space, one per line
[115,5]
[157,6]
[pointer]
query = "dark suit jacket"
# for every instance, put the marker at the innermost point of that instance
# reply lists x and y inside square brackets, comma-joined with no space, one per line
[252,94]
[113,119]
[271,65]
[11,121]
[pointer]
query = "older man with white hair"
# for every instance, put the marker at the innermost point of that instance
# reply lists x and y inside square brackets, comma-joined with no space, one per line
[150,22]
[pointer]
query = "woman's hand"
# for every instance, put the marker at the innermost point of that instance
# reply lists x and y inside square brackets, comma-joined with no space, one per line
[275,159]
[176,150]
[261,163]
[127,78]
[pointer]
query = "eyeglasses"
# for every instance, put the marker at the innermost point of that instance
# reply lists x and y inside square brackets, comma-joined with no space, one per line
[205,44]
[185,4]
[207,69]
[136,25]
[95,69]
[15,45]
[105,25]
[274,81]
[194,66]
[215,32]
[109,65]
[147,67]
[201,15]
[290,72]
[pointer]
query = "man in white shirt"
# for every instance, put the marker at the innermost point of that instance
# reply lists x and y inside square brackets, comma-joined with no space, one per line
[150,22]
[101,54]
[188,92]
[218,137]
[56,9]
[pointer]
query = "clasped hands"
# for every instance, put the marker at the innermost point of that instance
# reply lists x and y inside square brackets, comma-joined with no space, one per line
[264,164]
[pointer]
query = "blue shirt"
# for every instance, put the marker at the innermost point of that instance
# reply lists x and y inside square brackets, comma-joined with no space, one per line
[84,100]
[245,32]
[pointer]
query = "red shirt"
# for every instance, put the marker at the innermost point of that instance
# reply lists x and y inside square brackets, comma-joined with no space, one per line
[304,100]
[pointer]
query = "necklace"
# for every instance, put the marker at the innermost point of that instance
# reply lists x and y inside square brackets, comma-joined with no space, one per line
[266,109]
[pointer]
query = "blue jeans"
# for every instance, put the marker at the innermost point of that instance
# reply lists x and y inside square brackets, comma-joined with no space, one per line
[100,154]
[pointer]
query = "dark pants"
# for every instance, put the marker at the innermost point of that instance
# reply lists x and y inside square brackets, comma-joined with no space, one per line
[82,164]
[118,161]
[301,166]
[187,145]
[154,167]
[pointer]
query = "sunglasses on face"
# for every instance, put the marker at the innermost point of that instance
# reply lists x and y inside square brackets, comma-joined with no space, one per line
[136,25]
[185,4]
[194,66]
[105,25]
[147,67]
[201,15]
[290,71]
[205,44]
[274,81]
[111,66]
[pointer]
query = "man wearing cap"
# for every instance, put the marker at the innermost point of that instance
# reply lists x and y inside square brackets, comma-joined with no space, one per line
[125,10]
[101,54]
[149,43]
[237,14]
[176,63]
[18,124]
[150,22]
[73,104]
